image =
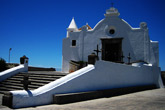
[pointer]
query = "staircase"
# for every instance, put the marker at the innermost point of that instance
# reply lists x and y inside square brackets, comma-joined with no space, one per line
[37,79]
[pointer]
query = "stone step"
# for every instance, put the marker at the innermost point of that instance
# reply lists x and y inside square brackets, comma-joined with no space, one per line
[34,82]
[9,89]
[2,92]
[6,89]
[18,87]
[18,81]
[39,75]
[12,87]
[44,78]
[36,78]
[44,73]
[12,81]
[16,84]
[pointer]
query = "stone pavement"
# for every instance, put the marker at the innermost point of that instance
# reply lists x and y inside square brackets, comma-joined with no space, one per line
[146,100]
[3,107]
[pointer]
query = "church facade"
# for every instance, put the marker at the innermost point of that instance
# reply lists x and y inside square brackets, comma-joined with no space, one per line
[115,39]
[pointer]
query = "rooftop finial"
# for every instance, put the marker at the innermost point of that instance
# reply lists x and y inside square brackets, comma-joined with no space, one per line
[112,11]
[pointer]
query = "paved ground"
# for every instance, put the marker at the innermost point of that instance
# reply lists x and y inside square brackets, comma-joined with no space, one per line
[3,107]
[146,100]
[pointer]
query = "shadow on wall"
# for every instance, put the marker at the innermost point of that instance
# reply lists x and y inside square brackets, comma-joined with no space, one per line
[163,76]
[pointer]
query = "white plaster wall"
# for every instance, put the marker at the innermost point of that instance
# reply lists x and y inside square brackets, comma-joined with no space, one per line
[65,55]
[146,46]
[104,75]
[137,44]
[65,65]
[70,52]
[154,51]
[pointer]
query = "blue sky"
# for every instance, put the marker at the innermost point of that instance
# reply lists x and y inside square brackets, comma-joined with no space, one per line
[35,28]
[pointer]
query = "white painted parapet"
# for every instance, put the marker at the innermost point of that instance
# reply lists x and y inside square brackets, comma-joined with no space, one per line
[104,75]
[12,71]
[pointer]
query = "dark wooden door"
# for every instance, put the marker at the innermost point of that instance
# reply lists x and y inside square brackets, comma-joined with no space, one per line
[111,49]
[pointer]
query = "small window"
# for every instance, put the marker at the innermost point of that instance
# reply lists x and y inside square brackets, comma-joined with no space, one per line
[111,31]
[73,42]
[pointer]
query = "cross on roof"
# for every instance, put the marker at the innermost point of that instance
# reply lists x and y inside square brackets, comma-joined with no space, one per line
[129,58]
[112,4]
[122,56]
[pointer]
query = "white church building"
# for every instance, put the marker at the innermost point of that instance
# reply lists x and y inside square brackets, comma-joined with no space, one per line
[126,57]
[115,39]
